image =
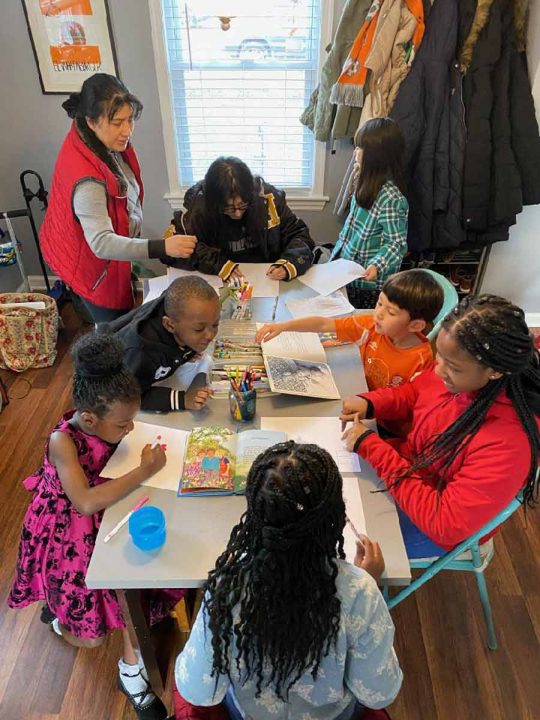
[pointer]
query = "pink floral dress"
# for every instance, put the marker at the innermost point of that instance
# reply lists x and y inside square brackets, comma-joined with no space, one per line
[57,543]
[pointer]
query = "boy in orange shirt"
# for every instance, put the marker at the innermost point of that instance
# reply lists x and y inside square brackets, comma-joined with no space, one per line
[391,340]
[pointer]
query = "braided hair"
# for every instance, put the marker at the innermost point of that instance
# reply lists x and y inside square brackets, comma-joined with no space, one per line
[101,377]
[280,569]
[494,332]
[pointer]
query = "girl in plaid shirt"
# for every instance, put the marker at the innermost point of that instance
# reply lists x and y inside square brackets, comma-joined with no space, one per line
[375,232]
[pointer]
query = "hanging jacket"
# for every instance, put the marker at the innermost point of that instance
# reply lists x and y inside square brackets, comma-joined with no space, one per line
[284,239]
[387,60]
[106,283]
[448,230]
[328,121]
[502,152]
[418,109]
[482,479]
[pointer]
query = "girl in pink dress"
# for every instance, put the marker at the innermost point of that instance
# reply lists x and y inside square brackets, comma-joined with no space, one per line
[64,515]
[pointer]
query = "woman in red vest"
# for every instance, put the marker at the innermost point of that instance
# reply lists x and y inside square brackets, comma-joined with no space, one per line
[91,231]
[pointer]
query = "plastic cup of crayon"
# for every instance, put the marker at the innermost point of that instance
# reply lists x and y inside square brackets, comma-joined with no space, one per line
[243,405]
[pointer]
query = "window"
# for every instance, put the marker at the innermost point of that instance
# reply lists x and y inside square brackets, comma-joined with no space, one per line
[236,85]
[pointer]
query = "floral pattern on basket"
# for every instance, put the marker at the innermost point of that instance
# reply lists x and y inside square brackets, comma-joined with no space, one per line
[27,336]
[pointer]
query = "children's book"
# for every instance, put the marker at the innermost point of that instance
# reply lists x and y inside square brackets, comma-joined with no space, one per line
[217,460]
[296,365]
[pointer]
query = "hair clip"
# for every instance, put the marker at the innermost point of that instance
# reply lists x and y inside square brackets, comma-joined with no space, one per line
[299,506]
[517,313]
[479,357]
[486,346]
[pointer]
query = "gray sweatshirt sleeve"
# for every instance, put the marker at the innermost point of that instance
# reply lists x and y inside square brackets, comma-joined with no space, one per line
[90,207]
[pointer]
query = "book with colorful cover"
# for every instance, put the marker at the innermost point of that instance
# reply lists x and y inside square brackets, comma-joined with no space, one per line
[217,460]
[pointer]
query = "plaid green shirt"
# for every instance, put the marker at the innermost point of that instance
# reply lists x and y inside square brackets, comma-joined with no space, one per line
[377,236]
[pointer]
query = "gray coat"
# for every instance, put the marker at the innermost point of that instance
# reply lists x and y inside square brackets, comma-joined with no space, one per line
[328,121]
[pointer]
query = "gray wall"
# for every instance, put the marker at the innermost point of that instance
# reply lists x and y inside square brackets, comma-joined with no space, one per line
[33,125]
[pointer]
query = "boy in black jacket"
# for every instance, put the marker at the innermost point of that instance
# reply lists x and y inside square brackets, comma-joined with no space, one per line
[165,333]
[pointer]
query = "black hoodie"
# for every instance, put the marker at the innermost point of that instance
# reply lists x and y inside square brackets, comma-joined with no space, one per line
[151,353]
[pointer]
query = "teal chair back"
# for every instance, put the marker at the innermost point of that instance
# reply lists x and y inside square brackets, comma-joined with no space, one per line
[476,564]
[451,299]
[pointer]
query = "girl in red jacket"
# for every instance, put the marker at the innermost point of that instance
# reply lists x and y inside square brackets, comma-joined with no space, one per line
[475,439]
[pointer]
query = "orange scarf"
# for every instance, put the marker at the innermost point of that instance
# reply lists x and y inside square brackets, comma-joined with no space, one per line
[349,88]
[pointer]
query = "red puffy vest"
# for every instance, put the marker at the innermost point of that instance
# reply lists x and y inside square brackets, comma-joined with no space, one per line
[106,283]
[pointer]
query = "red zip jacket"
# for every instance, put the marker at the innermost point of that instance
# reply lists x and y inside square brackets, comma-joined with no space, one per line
[483,478]
[103,282]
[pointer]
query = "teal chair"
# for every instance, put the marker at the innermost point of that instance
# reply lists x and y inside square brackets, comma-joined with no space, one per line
[451,299]
[477,563]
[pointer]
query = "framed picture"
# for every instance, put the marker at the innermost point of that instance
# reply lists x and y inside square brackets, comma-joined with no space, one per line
[72,40]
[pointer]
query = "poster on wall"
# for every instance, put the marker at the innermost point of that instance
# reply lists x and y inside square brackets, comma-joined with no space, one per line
[72,40]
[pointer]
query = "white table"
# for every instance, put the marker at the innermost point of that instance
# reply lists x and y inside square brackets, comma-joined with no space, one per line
[198,528]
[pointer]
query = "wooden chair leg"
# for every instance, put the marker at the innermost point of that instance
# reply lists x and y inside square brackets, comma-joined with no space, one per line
[180,614]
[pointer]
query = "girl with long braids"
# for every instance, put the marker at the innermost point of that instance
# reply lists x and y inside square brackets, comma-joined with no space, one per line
[63,518]
[475,439]
[288,628]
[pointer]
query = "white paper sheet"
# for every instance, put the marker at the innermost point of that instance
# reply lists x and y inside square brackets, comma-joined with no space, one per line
[256,274]
[296,345]
[156,286]
[322,431]
[128,454]
[186,373]
[326,306]
[329,277]
[355,511]
[214,280]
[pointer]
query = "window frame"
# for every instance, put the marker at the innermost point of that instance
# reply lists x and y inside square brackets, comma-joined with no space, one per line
[297,199]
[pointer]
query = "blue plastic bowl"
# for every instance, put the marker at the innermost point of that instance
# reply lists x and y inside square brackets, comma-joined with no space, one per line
[147,528]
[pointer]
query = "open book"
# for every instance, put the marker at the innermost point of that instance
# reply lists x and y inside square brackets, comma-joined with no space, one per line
[217,460]
[296,365]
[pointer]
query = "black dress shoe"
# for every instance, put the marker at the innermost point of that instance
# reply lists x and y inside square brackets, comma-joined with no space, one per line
[153,710]
[47,616]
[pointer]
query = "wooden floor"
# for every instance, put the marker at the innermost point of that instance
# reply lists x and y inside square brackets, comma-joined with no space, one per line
[440,641]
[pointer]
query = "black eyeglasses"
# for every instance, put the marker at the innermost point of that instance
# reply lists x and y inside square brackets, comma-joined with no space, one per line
[230,209]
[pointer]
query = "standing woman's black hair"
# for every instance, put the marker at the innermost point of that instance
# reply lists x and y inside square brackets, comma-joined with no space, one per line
[101,95]
[225,178]
[100,376]
[280,567]
[383,150]
[494,332]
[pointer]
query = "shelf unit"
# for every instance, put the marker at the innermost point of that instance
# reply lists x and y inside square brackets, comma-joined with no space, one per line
[474,261]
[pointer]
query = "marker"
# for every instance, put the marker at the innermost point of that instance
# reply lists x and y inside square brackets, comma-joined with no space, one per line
[156,442]
[124,520]
[355,531]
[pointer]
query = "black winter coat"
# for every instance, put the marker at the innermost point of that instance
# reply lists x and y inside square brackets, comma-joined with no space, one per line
[502,151]
[419,108]
[288,239]
[151,353]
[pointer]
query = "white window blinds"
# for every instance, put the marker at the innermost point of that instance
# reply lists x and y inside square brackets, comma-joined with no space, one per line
[241,74]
